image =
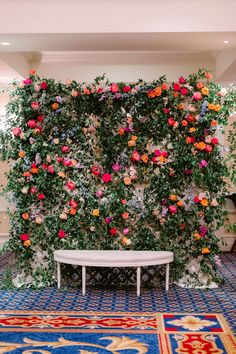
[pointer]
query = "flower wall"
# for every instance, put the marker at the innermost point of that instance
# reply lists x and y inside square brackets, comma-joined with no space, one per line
[116,166]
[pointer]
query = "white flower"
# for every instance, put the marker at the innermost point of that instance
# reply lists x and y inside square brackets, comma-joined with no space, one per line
[192,323]
[24,190]
[223,92]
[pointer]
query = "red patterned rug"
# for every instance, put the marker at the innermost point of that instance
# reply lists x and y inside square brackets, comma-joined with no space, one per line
[31,332]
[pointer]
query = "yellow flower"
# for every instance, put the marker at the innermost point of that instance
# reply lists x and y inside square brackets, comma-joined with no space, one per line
[205,250]
[127,181]
[134,138]
[95,212]
[131,143]
[197,236]
[204,202]
[205,91]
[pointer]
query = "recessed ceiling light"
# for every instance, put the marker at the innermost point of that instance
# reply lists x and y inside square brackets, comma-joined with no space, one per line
[226,42]
[5,43]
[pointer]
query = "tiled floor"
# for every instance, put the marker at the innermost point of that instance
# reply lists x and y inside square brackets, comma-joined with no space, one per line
[221,300]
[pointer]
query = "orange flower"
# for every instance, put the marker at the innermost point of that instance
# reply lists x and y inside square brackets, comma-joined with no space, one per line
[73,211]
[214,123]
[217,108]
[211,106]
[201,145]
[144,158]
[131,143]
[204,202]
[184,123]
[151,94]
[26,174]
[180,203]
[197,236]
[192,130]
[208,76]
[205,250]
[125,241]
[158,91]
[95,212]
[125,215]
[25,216]
[134,138]
[27,243]
[181,106]
[87,91]
[34,170]
[127,181]
[199,85]
[164,86]
[173,197]
[205,91]
[162,159]
[175,94]
[32,72]
[21,153]
[121,131]
[54,106]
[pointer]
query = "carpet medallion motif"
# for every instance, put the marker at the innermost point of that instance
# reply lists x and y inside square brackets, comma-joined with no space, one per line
[31,332]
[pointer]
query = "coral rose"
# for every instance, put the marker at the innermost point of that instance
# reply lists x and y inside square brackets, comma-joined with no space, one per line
[25,216]
[127,181]
[16,131]
[114,88]
[197,96]
[21,154]
[121,131]
[125,215]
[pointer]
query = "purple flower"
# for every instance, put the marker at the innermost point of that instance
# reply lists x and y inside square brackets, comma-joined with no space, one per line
[188,172]
[202,230]
[164,212]
[58,99]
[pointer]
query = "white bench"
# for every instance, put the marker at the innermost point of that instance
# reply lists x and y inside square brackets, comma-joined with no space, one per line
[136,259]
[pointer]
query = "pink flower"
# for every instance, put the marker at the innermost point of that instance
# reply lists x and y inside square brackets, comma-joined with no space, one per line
[114,88]
[125,231]
[51,169]
[176,87]
[44,85]
[184,91]
[208,76]
[172,209]
[71,185]
[24,237]
[182,80]
[67,163]
[60,159]
[203,164]
[41,196]
[116,167]
[73,203]
[106,177]
[99,90]
[33,190]
[99,193]
[135,156]
[197,96]
[171,121]
[32,123]
[16,131]
[27,82]
[61,234]
[208,139]
[35,106]
[127,89]
[65,149]
[215,141]
[157,152]
[208,148]
[166,110]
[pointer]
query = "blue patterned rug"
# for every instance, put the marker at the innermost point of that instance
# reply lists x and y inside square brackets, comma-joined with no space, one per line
[221,300]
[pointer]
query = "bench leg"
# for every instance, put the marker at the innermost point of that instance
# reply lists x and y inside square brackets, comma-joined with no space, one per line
[167,276]
[83,280]
[138,280]
[58,275]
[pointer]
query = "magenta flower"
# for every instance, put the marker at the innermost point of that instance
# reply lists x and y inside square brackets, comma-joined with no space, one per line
[203,164]
[202,230]
[116,167]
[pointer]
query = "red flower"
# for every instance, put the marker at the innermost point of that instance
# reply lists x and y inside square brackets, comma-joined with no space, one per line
[61,234]
[65,149]
[99,90]
[96,170]
[51,169]
[171,121]
[24,237]
[16,131]
[41,196]
[176,87]
[71,185]
[67,163]
[60,159]
[196,200]
[172,209]
[106,177]
[113,231]
[44,85]
[32,123]
[184,91]
[166,110]
[182,226]
[164,153]
[182,80]
[123,201]
[40,118]
[215,141]
[155,159]
[127,89]
[73,203]
[44,166]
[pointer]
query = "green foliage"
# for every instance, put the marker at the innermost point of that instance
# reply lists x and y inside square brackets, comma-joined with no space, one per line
[156,143]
